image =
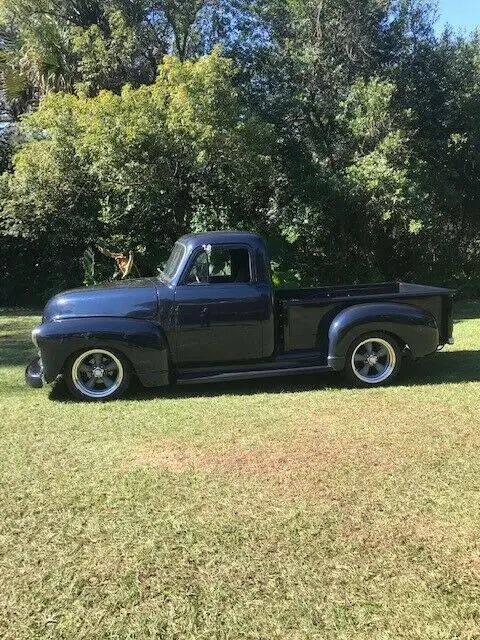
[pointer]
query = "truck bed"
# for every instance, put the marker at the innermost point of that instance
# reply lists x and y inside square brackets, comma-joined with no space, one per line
[304,315]
[382,289]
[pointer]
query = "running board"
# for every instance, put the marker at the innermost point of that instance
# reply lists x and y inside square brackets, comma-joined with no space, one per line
[249,375]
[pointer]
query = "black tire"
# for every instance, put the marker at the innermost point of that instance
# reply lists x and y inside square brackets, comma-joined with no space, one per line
[97,374]
[373,360]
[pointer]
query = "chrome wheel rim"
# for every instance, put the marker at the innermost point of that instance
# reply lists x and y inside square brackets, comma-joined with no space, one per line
[97,373]
[373,360]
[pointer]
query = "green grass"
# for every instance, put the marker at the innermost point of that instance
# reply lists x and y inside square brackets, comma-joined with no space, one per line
[294,509]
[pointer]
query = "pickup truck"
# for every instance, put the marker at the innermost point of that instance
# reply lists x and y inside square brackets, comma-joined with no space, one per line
[212,315]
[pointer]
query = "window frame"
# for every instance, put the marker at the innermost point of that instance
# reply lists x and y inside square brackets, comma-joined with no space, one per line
[228,246]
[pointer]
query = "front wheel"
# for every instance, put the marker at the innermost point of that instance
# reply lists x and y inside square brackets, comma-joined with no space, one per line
[372,360]
[97,374]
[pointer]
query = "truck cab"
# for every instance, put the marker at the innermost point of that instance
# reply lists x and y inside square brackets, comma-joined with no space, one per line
[212,314]
[223,298]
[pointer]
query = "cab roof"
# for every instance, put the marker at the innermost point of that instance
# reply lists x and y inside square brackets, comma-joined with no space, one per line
[222,237]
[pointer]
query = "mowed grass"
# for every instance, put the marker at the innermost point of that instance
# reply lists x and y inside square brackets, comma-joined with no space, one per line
[293,509]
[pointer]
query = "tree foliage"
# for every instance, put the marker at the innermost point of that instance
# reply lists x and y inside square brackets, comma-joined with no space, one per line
[141,167]
[345,131]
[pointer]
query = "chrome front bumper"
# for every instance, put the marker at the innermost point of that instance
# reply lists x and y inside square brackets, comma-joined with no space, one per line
[34,374]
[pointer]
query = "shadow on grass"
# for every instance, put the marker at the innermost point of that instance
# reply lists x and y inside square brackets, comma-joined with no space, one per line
[15,350]
[442,368]
[19,311]
[467,310]
[12,328]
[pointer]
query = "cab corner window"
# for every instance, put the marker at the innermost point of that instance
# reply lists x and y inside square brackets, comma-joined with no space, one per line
[219,265]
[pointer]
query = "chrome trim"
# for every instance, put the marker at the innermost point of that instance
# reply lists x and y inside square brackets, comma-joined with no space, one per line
[35,333]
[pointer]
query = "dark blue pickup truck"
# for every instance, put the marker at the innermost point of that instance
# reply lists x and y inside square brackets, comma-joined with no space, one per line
[212,314]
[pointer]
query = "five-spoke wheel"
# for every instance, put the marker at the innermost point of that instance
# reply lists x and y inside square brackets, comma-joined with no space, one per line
[97,374]
[373,359]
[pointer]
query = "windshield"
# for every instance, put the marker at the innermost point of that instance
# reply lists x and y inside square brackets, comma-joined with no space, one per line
[173,262]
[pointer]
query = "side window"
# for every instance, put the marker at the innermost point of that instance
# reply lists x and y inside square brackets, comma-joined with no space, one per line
[199,270]
[220,263]
[217,265]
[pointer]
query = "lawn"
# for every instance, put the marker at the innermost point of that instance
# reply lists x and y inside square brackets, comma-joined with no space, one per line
[293,509]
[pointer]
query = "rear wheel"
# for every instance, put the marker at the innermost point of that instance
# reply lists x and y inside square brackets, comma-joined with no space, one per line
[373,360]
[97,374]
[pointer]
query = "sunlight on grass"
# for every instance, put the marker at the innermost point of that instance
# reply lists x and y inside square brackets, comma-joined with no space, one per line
[291,508]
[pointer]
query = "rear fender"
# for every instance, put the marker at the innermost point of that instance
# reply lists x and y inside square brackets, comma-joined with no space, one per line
[412,326]
[141,341]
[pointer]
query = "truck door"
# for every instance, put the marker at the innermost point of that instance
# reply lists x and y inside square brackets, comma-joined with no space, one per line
[220,309]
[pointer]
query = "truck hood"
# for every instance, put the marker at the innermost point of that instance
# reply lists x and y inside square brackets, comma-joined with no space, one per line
[124,298]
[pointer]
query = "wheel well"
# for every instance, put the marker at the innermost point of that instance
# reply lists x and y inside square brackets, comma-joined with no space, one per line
[400,341]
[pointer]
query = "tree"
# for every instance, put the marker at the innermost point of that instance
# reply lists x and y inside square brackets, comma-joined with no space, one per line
[344,130]
[138,169]
[440,86]
[90,45]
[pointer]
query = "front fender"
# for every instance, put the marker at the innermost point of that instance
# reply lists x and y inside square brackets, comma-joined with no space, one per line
[142,342]
[413,326]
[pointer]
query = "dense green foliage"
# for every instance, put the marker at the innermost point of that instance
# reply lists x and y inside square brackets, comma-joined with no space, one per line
[344,131]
